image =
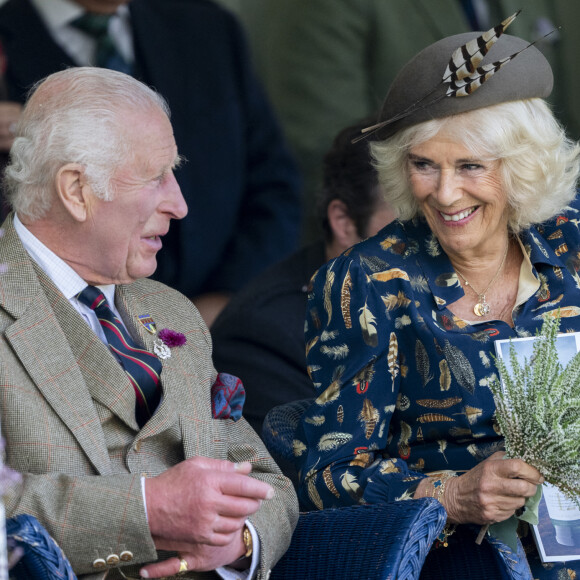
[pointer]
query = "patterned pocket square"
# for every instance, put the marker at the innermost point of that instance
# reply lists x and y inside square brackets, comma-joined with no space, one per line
[227,397]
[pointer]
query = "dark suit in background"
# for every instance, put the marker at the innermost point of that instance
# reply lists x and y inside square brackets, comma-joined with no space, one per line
[240,183]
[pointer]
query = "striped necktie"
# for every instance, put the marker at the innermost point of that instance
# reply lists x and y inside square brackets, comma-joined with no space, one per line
[106,53]
[142,367]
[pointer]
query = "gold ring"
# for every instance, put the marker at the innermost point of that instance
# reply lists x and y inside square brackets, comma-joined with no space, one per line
[182,566]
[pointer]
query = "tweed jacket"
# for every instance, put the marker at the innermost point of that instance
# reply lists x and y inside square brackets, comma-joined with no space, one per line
[67,413]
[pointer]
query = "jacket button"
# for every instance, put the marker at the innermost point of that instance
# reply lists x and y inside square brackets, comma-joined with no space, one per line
[126,556]
[112,559]
[99,564]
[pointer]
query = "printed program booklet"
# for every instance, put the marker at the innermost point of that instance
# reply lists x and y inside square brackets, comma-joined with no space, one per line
[557,533]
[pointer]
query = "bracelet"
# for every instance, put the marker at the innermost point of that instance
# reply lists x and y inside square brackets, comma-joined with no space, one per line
[248,543]
[448,530]
[438,493]
[439,485]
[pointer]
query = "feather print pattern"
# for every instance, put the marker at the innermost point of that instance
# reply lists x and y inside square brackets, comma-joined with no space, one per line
[422,362]
[388,242]
[327,476]
[367,323]
[310,344]
[442,446]
[484,359]
[439,403]
[433,247]
[313,494]
[404,437]
[350,485]
[391,274]
[392,301]
[316,420]
[434,418]
[327,335]
[362,431]
[393,358]
[373,263]
[332,392]
[330,441]
[361,460]
[460,367]
[335,352]
[472,414]
[403,402]
[298,448]
[402,321]
[362,379]
[327,293]
[369,416]
[345,299]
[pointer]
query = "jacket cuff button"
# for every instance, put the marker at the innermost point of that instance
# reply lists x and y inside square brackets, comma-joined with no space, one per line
[99,564]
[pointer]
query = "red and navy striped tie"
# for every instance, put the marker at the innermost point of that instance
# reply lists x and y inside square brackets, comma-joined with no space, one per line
[142,367]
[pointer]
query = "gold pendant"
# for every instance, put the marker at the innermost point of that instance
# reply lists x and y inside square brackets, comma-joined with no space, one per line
[482,308]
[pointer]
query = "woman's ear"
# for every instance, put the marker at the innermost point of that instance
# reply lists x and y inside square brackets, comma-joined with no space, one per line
[344,232]
[73,191]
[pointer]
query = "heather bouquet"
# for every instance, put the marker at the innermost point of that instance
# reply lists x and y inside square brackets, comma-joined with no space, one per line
[538,412]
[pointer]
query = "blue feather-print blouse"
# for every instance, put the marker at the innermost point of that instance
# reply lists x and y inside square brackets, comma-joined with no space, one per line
[402,383]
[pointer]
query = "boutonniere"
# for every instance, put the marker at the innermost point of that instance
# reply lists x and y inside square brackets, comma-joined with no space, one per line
[166,338]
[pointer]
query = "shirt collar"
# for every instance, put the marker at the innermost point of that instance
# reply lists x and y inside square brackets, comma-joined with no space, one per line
[59,13]
[61,274]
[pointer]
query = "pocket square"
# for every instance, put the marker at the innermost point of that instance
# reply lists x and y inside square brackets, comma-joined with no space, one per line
[227,397]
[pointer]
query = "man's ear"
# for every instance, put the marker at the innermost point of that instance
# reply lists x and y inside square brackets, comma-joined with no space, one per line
[74,191]
[343,228]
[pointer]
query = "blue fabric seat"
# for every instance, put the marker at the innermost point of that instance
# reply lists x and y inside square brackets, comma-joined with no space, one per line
[42,558]
[379,541]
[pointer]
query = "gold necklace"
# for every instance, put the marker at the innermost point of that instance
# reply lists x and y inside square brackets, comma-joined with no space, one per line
[482,308]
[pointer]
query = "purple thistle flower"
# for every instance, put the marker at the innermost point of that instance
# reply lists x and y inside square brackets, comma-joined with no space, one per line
[172,338]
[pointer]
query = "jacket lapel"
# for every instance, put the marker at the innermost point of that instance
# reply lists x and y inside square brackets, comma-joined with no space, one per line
[108,382]
[36,332]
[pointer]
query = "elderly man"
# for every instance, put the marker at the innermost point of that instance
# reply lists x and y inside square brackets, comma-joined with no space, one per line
[105,376]
[240,183]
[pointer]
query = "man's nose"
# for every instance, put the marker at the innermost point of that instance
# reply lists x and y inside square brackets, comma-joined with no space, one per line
[174,203]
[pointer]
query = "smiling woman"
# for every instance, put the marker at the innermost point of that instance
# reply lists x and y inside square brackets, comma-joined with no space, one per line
[401,328]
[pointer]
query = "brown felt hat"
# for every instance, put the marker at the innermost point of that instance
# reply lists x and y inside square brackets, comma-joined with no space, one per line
[418,93]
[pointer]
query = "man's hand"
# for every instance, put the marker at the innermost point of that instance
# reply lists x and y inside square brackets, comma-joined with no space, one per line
[200,558]
[9,115]
[199,508]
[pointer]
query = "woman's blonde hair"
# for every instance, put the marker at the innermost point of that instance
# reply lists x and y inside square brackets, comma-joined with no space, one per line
[539,166]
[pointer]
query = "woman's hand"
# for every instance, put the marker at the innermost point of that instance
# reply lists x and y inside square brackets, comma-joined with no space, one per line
[491,491]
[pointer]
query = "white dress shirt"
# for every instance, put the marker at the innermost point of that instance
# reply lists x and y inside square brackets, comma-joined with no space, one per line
[80,46]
